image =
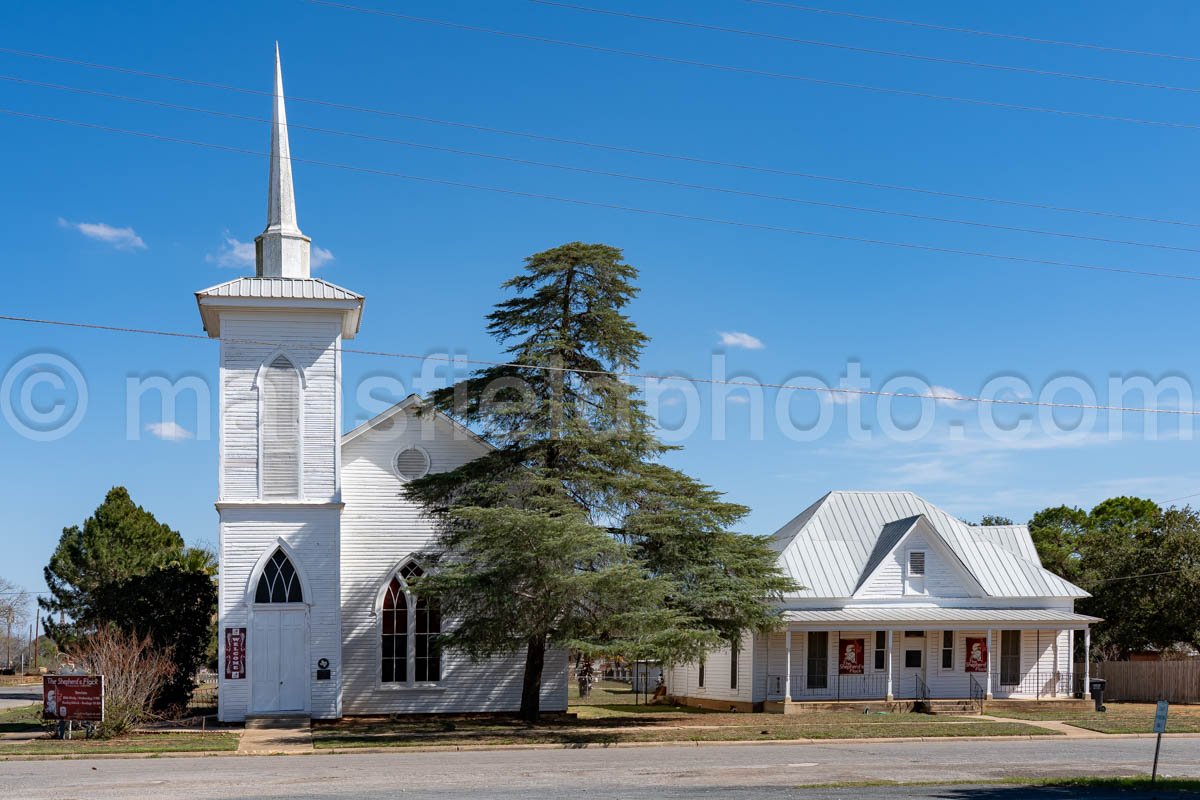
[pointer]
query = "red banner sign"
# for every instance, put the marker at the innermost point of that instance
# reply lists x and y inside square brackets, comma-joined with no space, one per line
[853,652]
[235,654]
[79,698]
[977,654]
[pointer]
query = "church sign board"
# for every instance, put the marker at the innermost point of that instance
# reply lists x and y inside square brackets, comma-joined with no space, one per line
[75,698]
[235,654]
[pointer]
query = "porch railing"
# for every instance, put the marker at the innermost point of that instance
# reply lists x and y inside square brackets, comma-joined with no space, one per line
[1037,683]
[920,689]
[977,694]
[868,686]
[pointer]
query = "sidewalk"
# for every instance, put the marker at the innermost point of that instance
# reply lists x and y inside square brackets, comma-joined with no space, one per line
[276,736]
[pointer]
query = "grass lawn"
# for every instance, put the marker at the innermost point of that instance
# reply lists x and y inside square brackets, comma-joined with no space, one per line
[136,743]
[621,721]
[1120,718]
[27,719]
[21,719]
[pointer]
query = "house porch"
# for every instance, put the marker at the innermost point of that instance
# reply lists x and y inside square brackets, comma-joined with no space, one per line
[893,658]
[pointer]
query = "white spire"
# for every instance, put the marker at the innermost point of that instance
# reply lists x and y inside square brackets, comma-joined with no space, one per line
[281,251]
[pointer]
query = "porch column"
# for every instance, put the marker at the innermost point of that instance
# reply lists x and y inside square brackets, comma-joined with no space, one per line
[987,689]
[787,666]
[888,661]
[1087,663]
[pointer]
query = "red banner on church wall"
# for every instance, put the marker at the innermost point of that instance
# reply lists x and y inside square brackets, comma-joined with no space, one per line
[235,654]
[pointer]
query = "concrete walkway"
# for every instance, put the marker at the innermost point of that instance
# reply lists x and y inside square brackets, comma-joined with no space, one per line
[1051,725]
[276,736]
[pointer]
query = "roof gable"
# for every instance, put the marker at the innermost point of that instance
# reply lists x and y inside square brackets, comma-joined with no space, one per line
[412,403]
[833,544]
[946,575]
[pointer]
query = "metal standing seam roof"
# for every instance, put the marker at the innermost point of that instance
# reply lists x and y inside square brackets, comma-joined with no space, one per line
[930,614]
[279,289]
[828,547]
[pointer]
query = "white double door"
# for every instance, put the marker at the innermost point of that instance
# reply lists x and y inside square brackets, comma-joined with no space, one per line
[279,660]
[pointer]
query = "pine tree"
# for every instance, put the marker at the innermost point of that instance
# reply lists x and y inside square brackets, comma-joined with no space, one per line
[572,532]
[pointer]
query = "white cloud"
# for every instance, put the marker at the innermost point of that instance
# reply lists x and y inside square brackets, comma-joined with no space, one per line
[738,399]
[169,431]
[741,339]
[320,257]
[120,238]
[237,254]
[233,254]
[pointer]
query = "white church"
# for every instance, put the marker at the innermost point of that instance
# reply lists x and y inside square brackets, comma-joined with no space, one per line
[317,542]
[900,600]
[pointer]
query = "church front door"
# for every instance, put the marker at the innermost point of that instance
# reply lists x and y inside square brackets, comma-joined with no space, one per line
[279,661]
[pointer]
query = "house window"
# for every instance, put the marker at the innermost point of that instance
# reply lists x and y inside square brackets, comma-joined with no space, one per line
[912,659]
[733,666]
[280,394]
[914,634]
[880,649]
[818,659]
[409,628]
[700,677]
[1010,658]
[279,582]
[947,649]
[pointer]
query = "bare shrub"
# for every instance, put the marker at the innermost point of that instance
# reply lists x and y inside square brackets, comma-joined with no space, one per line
[134,673]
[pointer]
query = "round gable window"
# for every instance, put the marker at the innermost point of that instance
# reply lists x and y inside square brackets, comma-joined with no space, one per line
[412,463]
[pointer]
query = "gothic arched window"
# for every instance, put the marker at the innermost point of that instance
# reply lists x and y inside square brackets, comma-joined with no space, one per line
[409,629]
[280,391]
[279,582]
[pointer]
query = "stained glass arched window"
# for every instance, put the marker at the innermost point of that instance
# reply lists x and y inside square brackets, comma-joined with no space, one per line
[279,582]
[409,630]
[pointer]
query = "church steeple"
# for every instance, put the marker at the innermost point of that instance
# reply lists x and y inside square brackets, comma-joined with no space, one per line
[281,251]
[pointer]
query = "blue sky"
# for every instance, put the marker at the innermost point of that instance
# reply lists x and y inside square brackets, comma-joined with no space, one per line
[430,257]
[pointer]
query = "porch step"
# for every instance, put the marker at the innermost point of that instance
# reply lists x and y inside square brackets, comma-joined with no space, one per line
[951,707]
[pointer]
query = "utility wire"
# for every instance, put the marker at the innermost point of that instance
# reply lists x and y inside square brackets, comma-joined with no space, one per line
[617,207]
[972,31]
[601,146]
[870,50]
[597,172]
[623,375]
[659,57]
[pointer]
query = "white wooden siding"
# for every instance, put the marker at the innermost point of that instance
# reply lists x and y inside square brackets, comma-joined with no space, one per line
[683,680]
[942,577]
[380,529]
[310,341]
[249,533]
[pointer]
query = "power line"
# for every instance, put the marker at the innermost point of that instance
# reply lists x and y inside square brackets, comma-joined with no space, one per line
[972,31]
[761,73]
[602,146]
[623,375]
[617,207]
[599,172]
[870,50]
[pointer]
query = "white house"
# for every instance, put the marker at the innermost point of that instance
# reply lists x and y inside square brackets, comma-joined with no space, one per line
[900,601]
[317,542]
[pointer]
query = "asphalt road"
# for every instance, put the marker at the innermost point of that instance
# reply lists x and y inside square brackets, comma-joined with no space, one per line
[13,696]
[759,772]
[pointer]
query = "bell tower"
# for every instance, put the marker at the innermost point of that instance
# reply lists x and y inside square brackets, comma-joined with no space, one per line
[279,464]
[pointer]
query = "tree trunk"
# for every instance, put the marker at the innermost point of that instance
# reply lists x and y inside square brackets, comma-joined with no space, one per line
[531,692]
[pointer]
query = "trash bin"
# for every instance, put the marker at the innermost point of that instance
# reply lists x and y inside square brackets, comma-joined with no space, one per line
[1096,687]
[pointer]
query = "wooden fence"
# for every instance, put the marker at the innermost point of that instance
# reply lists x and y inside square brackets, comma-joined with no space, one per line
[1148,681]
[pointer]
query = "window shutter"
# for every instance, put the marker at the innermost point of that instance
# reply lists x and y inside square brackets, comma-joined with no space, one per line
[281,430]
[916,562]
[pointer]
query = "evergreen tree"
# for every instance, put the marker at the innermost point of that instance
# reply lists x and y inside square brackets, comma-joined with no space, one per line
[123,567]
[572,532]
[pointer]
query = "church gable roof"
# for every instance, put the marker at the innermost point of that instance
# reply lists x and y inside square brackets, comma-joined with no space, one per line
[834,544]
[411,403]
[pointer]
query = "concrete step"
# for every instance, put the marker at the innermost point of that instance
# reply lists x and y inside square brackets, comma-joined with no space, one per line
[952,707]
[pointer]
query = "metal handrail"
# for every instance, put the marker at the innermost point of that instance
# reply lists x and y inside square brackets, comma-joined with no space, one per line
[922,689]
[977,694]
